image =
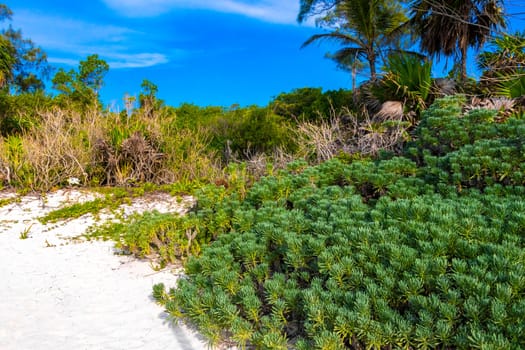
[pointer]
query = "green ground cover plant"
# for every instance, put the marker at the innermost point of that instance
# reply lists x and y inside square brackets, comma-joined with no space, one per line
[78,209]
[112,199]
[164,237]
[423,250]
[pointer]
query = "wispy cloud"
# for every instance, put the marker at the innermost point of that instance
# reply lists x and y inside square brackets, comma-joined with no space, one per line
[136,60]
[275,11]
[67,41]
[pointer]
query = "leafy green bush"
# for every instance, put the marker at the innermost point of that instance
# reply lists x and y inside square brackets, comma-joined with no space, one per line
[308,261]
[310,104]
[18,113]
[369,254]
[244,132]
[470,150]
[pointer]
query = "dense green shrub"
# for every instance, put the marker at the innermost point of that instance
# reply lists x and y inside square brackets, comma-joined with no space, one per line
[306,259]
[192,116]
[310,104]
[18,113]
[371,254]
[470,150]
[241,133]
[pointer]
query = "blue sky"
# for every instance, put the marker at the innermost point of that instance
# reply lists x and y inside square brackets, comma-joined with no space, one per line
[207,52]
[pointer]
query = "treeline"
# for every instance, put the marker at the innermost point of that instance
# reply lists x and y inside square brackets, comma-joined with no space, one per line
[149,141]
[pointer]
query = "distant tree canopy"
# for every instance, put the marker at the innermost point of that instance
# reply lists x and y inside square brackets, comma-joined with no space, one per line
[23,65]
[310,103]
[82,85]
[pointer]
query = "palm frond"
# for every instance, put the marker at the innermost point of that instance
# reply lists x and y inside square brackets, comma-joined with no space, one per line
[342,38]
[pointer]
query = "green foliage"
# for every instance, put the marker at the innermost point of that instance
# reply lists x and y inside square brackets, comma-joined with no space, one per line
[408,79]
[471,150]
[18,113]
[371,254]
[148,101]
[81,86]
[250,131]
[14,159]
[451,28]
[310,103]
[79,209]
[23,66]
[150,234]
[7,61]
[366,29]
[7,201]
[511,85]
[111,200]
[504,65]
[192,116]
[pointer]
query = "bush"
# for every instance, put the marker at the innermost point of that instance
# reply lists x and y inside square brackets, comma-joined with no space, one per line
[371,254]
[18,113]
[242,133]
[471,150]
[310,104]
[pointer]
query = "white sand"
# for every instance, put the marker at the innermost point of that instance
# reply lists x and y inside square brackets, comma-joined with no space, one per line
[58,294]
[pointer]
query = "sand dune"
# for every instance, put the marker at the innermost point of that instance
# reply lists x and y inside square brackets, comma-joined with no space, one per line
[56,293]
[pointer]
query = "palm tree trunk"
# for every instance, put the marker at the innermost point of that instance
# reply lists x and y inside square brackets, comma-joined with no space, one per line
[463,72]
[354,75]
[372,63]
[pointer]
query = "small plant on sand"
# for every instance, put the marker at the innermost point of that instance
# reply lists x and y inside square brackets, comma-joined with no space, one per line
[25,233]
[7,201]
[79,209]
[166,237]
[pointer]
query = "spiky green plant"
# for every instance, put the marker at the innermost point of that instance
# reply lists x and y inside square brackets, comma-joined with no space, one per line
[408,79]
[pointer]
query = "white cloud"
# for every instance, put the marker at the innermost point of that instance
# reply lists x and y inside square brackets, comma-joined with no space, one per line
[67,41]
[62,60]
[275,11]
[136,60]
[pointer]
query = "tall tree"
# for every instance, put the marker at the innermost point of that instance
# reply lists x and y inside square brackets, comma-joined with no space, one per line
[7,61]
[365,29]
[81,86]
[450,27]
[91,72]
[23,65]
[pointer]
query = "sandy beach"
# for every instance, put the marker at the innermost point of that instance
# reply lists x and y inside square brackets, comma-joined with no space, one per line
[58,293]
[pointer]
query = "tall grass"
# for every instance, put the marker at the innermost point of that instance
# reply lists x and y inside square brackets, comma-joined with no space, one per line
[104,148]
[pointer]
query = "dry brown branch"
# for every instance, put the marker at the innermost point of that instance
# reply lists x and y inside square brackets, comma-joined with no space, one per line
[55,150]
[319,141]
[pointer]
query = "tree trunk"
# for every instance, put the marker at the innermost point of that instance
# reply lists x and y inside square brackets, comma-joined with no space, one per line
[463,72]
[354,75]
[372,62]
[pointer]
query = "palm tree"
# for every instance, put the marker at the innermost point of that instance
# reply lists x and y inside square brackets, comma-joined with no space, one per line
[507,56]
[450,27]
[348,61]
[365,29]
[503,68]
